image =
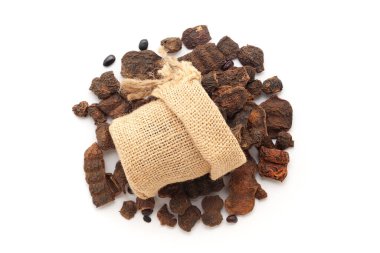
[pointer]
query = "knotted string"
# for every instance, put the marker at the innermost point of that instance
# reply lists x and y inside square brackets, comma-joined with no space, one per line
[171,73]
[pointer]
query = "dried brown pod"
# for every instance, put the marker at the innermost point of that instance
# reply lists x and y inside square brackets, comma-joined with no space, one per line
[195,36]
[112,184]
[212,218]
[273,163]
[140,102]
[209,82]
[242,190]
[142,204]
[172,44]
[212,203]
[103,198]
[105,85]
[257,119]
[192,188]
[273,170]
[279,115]
[231,77]
[252,137]
[187,220]
[252,56]
[166,217]
[110,103]
[103,136]
[202,186]
[179,203]
[246,135]
[170,190]
[242,180]
[272,85]
[266,142]
[122,109]
[114,106]
[230,99]
[261,193]
[186,57]
[205,58]
[98,187]
[128,209]
[241,117]
[251,71]
[213,185]
[284,140]
[96,114]
[239,127]
[254,88]
[81,109]
[146,212]
[95,176]
[228,47]
[274,155]
[239,204]
[141,65]
[237,132]
[120,177]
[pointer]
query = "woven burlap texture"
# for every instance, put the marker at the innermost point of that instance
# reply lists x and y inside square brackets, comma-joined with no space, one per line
[180,136]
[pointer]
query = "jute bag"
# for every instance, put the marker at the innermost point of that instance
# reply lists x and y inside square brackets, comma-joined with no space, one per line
[180,136]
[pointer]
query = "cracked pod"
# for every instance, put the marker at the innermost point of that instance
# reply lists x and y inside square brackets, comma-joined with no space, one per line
[178,137]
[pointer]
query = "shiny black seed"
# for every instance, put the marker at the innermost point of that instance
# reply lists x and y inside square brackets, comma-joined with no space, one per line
[232,219]
[147,212]
[228,65]
[129,190]
[109,60]
[143,45]
[147,218]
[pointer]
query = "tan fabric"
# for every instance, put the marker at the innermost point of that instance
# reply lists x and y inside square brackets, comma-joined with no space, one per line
[180,136]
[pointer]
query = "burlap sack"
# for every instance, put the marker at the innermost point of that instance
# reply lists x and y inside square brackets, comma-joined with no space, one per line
[180,136]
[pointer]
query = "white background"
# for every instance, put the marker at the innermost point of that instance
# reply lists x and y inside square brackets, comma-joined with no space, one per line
[327,55]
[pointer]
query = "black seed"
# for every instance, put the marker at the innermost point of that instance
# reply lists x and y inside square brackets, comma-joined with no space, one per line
[129,190]
[109,60]
[147,218]
[227,65]
[143,45]
[232,219]
[147,212]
